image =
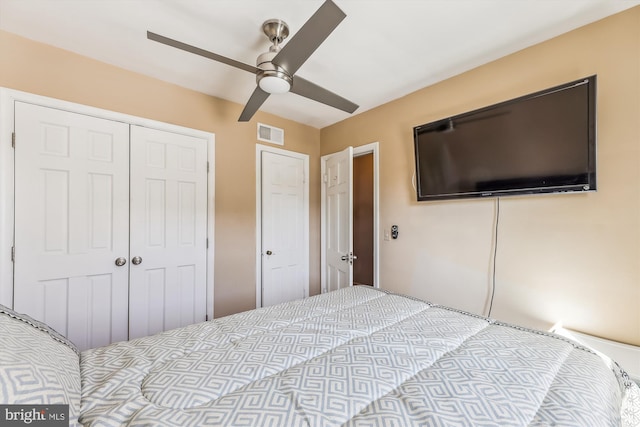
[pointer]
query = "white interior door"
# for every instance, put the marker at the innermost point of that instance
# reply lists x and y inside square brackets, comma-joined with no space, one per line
[168,231]
[71,223]
[283,219]
[339,220]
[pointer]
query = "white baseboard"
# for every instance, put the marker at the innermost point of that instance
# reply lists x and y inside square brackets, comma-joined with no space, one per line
[627,356]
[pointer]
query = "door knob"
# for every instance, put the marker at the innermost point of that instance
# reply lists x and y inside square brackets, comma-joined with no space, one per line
[269,253]
[350,257]
[121,261]
[136,260]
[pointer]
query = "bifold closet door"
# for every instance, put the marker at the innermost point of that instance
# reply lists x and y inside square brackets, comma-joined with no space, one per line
[168,231]
[71,223]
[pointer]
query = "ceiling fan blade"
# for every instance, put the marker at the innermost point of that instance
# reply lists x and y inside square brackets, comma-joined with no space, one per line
[309,37]
[257,99]
[310,90]
[192,49]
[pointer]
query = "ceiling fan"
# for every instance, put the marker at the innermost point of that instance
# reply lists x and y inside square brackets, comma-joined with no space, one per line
[275,70]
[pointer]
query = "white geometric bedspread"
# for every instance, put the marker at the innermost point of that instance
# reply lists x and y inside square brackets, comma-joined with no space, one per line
[354,357]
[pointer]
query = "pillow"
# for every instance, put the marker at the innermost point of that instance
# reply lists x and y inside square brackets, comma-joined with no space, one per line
[37,364]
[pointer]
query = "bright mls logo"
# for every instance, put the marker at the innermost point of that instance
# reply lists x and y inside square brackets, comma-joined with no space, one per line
[36,415]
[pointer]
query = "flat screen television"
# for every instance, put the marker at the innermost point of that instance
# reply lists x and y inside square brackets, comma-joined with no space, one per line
[544,142]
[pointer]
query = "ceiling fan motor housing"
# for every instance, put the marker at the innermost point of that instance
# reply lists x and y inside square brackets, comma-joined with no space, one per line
[270,77]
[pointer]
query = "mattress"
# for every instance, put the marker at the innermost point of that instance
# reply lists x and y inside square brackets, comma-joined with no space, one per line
[353,357]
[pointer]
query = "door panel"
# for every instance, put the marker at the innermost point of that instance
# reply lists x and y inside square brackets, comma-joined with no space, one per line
[283,217]
[339,219]
[168,230]
[71,180]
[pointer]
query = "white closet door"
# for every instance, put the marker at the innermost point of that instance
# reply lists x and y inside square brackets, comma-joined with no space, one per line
[283,215]
[168,231]
[71,223]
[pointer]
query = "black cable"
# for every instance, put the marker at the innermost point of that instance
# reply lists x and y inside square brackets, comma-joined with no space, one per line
[495,252]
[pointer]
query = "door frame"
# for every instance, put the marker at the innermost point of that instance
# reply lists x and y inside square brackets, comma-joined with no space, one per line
[260,148]
[371,148]
[7,99]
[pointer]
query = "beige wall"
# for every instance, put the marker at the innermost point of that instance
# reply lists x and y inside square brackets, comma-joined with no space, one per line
[41,69]
[574,258]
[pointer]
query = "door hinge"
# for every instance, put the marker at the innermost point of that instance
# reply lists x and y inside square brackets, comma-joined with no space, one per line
[207,243]
[207,167]
[325,178]
[13,140]
[13,253]
[206,317]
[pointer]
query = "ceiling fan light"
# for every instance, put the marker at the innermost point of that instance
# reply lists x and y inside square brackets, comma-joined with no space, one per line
[273,84]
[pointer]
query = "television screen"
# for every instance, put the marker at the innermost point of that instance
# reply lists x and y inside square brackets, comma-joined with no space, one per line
[538,143]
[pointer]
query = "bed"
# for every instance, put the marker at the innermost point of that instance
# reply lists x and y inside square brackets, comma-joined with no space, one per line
[353,357]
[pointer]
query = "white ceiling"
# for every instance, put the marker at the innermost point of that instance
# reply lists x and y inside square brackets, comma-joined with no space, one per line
[383,50]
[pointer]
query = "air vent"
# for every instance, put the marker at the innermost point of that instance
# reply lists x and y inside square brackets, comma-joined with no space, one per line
[270,134]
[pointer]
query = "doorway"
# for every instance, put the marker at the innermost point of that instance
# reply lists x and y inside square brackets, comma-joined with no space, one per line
[363,165]
[363,219]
